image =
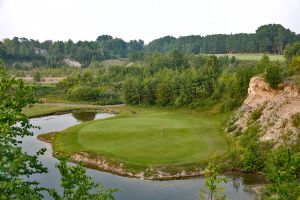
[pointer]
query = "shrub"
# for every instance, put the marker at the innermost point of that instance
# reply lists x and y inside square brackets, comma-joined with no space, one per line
[255,115]
[273,75]
[82,93]
[296,120]
[37,76]
[253,157]
[44,90]
[232,128]
[282,167]
[87,93]
[294,66]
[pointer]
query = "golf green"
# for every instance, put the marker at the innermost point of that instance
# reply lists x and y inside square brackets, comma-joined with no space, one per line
[147,137]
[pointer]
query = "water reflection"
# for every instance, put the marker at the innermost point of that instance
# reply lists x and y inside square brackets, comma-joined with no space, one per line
[132,189]
[84,116]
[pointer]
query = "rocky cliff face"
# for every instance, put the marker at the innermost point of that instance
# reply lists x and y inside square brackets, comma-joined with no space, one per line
[274,110]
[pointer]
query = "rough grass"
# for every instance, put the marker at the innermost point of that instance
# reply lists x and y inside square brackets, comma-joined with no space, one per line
[40,109]
[112,62]
[147,137]
[254,57]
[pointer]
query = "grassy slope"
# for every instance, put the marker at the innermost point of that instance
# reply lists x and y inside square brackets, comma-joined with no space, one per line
[136,140]
[38,110]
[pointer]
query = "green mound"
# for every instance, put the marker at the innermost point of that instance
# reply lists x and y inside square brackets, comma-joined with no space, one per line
[148,137]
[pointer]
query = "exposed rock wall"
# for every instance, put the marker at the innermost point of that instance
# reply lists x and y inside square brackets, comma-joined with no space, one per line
[277,108]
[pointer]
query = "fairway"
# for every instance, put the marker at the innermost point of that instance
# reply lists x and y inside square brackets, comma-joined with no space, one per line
[147,137]
[253,56]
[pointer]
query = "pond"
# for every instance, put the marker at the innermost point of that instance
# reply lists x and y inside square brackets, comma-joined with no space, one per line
[238,187]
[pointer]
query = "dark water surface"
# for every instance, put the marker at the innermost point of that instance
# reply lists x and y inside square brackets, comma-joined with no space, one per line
[237,187]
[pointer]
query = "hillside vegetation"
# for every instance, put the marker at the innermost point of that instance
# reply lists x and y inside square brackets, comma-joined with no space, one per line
[275,110]
[28,53]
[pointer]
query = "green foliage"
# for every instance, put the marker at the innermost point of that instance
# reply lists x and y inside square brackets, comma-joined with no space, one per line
[132,89]
[294,66]
[160,82]
[243,75]
[77,185]
[164,92]
[273,75]
[255,115]
[263,64]
[82,93]
[148,97]
[17,167]
[253,157]
[296,120]
[42,90]
[271,38]
[14,163]
[282,167]
[213,181]
[292,50]
[37,76]
[254,151]
[89,94]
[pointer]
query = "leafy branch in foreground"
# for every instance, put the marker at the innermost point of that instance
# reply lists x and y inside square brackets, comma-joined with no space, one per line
[77,185]
[282,168]
[212,182]
[16,166]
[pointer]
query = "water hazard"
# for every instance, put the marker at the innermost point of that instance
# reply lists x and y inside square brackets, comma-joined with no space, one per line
[238,187]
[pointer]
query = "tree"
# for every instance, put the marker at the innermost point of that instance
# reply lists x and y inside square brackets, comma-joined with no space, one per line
[273,75]
[77,185]
[177,60]
[292,50]
[212,181]
[37,76]
[282,167]
[263,64]
[273,37]
[149,91]
[132,90]
[15,164]
[294,66]
[17,167]
[165,90]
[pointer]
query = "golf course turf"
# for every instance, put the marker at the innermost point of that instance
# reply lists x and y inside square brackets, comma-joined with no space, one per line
[147,137]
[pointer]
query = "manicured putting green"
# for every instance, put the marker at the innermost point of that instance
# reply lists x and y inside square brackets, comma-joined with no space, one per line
[147,137]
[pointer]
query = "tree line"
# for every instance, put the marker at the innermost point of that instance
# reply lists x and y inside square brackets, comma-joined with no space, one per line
[271,38]
[52,54]
[169,79]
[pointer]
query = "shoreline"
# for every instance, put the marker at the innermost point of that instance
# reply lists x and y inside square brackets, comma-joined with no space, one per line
[100,163]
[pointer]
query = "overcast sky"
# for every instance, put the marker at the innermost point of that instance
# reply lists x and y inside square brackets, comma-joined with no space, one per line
[141,19]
